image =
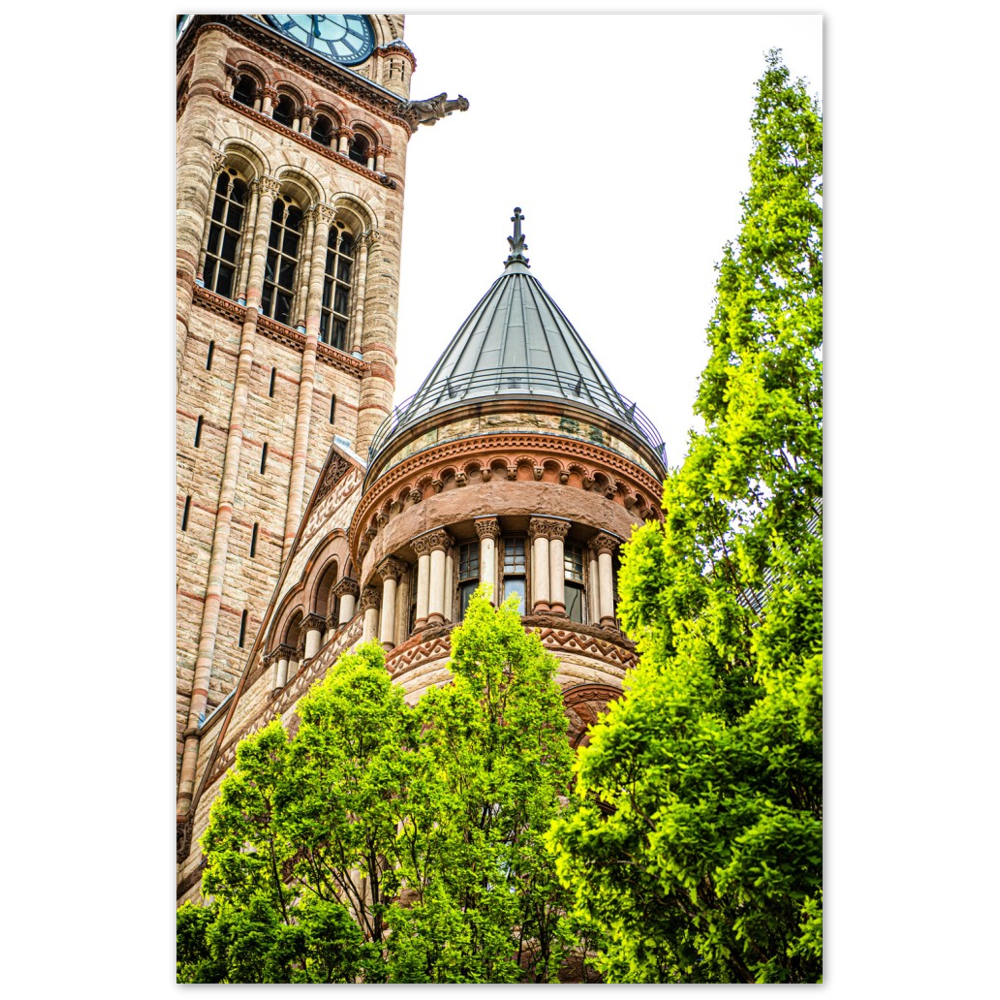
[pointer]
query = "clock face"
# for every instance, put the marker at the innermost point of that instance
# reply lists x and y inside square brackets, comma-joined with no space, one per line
[343,38]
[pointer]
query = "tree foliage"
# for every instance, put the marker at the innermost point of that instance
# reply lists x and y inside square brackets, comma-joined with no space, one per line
[390,843]
[694,847]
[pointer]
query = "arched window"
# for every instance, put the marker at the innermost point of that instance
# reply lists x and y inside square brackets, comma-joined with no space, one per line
[334,318]
[221,254]
[282,260]
[358,150]
[573,561]
[322,130]
[246,90]
[284,110]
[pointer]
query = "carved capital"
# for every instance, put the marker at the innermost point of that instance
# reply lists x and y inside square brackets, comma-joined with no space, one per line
[267,91]
[343,131]
[218,162]
[332,621]
[346,586]
[547,527]
[268,185]
[371,599]
[324,214]
[431,540]
[284,651]
[392,568]
[604,542]
[381,151]
[300,647]
[371,239]
[307,112]
[487,527]
[313,621]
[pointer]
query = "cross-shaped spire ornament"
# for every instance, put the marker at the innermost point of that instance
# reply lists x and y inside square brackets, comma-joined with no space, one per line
[517,244]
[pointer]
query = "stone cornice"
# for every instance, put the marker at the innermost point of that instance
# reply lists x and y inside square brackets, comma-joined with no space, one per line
[324,74]
[486,444]
[317,147]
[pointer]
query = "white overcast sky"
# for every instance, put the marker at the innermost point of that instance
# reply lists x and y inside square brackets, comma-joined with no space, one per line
[624,139]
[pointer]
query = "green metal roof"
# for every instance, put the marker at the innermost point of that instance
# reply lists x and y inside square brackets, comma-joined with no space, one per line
[517,342]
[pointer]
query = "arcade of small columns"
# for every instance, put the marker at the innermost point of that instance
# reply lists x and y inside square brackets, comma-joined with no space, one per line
[435,584]
[435,576]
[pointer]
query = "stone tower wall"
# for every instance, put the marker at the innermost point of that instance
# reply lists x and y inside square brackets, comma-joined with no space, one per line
[217,580]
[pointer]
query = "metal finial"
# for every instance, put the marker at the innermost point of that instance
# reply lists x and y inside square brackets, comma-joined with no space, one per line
[517,244]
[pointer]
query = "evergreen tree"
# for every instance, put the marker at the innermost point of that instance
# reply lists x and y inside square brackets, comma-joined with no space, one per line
[694,848]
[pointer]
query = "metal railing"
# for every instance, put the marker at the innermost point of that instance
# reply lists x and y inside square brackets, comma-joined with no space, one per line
[515,383]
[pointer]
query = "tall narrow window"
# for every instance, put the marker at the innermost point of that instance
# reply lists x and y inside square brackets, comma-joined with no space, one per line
[468,573]
[573,561]
[333,407]
[208,359]
[515,570]
[243,628]
[246,90]
[322,130]
[284,110]
[282,258]
[333,315]
[253,541]
[222,252]
[197,433]
[270,388]
[184,516]
[358,150]
[263,458]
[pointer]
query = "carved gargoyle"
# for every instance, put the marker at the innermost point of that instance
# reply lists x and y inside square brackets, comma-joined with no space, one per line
[429,112]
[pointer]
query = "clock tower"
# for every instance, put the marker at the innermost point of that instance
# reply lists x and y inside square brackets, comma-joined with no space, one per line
[291,158]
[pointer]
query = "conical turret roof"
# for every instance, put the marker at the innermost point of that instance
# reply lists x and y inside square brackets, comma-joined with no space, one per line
[517,342]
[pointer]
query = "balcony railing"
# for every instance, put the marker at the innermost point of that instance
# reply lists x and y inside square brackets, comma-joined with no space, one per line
[515,383]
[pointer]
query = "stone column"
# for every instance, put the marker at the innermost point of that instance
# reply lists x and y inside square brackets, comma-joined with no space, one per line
[243,273]
[391,569]
[538,532]
[270,97]
[593,586]
[369,608]
[422,546]
[344,137]
[440,541]
[347,591]
[307,116]
[488,529]
[558,529]
[313,628]
[370,162]
[284,654]
[361,267]
[307,377]
[380,154]
[304,270]
[606,545]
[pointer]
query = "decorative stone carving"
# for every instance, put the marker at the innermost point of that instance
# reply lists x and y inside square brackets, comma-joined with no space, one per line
[346,586]
[268,185]
[267,91]
[313,621]
[218,162]
[332,622]
[392,568]
[431,110]
[285,652]
[431,540]
[269,658]
[546,527]
[324,213]
[487,527]
[604,542]
[416,496]
[371,598]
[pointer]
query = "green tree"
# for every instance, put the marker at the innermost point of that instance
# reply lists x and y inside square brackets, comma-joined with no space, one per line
[390,843]
[492,762]
[694,848]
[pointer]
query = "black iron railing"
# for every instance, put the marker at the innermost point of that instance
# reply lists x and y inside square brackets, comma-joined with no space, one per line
[514,383]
